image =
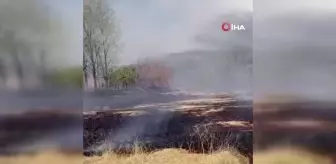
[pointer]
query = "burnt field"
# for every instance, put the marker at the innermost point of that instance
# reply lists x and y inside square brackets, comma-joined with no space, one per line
[157,120]
[295,122]
[216,122]
[200,125]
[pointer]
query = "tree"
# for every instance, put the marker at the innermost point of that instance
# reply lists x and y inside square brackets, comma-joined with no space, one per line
[100,39]
[108,40]
[124,77]
[89,27]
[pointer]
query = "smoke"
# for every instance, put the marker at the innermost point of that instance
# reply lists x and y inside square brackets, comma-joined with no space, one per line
[33,37]
[192,43]
[35,43]
[223,60]
[135,130]
[167,26]
[295,53]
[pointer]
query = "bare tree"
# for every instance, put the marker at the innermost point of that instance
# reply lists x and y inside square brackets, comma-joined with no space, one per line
[100,39]
[89,31]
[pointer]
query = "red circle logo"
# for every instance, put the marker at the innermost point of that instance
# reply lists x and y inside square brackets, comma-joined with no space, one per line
[226,26]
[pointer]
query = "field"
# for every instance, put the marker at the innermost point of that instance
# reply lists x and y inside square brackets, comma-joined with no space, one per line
[214,129]
[203,125]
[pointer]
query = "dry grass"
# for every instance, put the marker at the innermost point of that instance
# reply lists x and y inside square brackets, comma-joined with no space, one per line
[170,156]
[166,156]
[290,156]
[48,157]
[173,156]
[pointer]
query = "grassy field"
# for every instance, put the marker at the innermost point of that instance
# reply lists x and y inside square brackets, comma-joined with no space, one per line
[172,156]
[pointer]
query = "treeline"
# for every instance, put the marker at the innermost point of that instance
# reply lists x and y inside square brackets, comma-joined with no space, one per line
[145,74]
[101,50]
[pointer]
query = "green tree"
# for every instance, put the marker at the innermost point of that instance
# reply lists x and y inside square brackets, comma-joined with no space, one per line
[124,76]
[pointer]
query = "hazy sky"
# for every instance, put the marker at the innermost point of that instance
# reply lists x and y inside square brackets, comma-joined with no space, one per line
[157,27]
[294,47]
[58,26]
[70,13]
[293,40]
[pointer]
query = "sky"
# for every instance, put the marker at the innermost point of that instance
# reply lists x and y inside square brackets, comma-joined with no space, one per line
[293,40]
[159,27]
[70,14]
[294,47]
[55,24]
[184,29]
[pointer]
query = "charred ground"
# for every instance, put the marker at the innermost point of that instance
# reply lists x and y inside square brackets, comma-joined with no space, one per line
[287,121]
[201,125]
